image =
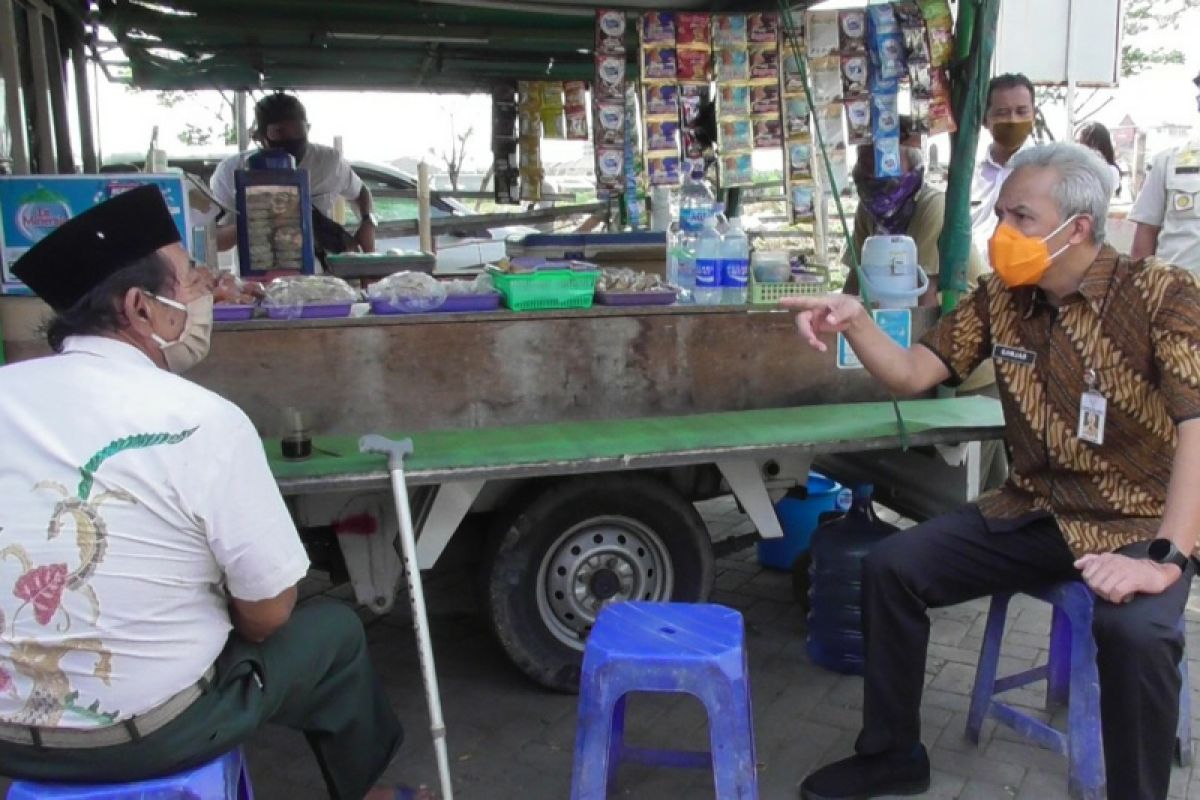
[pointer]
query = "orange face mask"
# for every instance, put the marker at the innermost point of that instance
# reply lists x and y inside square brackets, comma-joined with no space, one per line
[1022,260]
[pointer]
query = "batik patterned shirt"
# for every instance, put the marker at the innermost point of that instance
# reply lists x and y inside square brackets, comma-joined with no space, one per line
[1133,329]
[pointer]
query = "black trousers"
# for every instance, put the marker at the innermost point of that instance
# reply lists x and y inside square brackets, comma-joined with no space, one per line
[314,675]
[961,556]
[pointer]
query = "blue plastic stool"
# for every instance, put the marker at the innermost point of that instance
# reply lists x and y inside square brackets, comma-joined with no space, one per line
[225,778]
[696,649]
[1071,680]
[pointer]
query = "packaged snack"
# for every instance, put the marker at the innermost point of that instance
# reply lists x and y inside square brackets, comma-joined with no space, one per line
[737,169]
[691,145]
[858,120]
[663,169]
[576,94]
[692,165]
[662,100]
[887,157]
[734,100]
[762,28]
[692,29]
[888,55]
[839,167]
[530,126]
[885,115]
[796,117]
[793,80]
[920,115]
[764,99]
[610,32]
[658,27]
[610,166]
[552,95]
[803,197]
[691,98]
[693,65]
[733,64]
[662,135]
[768,132]
[577,124]
[531,155]
[736,134]
[854,75]
[916,47]
[829,124]
[823,38]
[883,19]
[529,96]
[853,31]
[935,10]
[939,82]
[764,63]
[554,124]
[826,77]
[941,116]
[610,123]
[800,158]
[730,30]
[659,63]
[610,77]
[941,45]
[921,77]
[908,14]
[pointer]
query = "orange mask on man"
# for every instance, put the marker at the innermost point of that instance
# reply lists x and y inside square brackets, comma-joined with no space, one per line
[1022,260]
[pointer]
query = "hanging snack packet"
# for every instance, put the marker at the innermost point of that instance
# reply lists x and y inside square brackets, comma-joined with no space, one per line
[887,157]
[734,100]
[693,65]
[826,76]
[729,30]
[858,120]
[916,46]
[941,117]
[793,80]
[920,115]
[941,45]
[662,100]
[610,167]
[610,123]
[803,197]
[577,124]
[839,166]
[768,132]
[736,135]
[733,64]
[691,98]
[823,37]
[829,124]
[762,28]
[908,14]
[664,169]
[692,29]
[737,169]
[920,76]
[576,94]
[662,135]
[658,28]
[883,19]
[610,32]
[610,77]
[854,75]
[796,117]
[885,115]
[764,99]
[800,160]
[888,56]
[659,64]
[764,63]
[853,31]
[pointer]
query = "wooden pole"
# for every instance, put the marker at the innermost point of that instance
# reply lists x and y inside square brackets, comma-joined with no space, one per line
[10,71]
[424,214]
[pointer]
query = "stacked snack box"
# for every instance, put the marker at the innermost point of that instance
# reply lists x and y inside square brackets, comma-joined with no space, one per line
[529,127]
[797,127]
[608,101]
[693,38]
[660,66]
[735,131]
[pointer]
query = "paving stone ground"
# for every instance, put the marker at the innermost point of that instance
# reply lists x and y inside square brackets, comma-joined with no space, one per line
[511,740]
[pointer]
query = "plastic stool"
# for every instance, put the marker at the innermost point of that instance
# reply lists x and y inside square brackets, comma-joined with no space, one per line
[1071,680]
[224,778]
[696,649]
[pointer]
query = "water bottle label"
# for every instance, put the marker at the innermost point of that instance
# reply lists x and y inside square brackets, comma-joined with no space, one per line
[708,273]
[692,219]
[735,272]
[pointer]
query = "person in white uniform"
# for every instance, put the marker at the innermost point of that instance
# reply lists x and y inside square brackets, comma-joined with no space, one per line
[1009,118]
[1167,210]
[148,565]
[281,123]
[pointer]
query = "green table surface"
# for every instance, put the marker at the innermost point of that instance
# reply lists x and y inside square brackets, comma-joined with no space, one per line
[480,449]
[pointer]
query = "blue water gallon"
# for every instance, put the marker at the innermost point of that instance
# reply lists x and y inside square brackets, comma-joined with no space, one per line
[835,638]
[798,513]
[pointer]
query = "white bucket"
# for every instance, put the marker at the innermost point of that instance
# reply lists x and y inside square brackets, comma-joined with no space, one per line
[891,275]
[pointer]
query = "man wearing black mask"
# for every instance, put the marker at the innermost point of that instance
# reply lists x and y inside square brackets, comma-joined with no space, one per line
[281,123]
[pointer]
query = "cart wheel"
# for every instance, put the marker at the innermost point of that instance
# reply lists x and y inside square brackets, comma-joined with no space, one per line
[583,543]
[801,580]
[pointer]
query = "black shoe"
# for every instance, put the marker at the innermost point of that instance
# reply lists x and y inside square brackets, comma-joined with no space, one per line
[863,777]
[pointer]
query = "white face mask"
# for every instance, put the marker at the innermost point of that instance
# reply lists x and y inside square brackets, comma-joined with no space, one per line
[192,345]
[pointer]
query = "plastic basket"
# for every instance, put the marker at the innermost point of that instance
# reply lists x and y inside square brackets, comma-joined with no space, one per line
[547,289]
[769,294]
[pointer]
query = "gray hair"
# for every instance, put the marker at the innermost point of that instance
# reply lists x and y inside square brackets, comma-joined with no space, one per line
[1085,181]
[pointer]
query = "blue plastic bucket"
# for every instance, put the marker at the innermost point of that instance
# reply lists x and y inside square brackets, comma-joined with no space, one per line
[798,518]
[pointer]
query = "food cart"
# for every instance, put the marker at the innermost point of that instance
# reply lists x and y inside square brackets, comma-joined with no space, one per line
[562,450]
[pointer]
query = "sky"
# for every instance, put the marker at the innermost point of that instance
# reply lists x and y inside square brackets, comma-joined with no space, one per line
[378,126]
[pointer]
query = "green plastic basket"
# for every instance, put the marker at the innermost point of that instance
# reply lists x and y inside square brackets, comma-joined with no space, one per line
[547,289]
[769,294]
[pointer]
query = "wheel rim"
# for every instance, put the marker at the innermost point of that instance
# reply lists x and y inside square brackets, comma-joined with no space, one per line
[600,560]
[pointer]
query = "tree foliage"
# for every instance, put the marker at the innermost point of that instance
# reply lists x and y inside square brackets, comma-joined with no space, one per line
[1143,16]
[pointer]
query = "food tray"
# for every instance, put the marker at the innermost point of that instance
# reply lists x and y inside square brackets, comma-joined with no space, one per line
[454,303]
[378,265]
[310,311]
[635,298]
[547,289]
[769,294]
[232,312]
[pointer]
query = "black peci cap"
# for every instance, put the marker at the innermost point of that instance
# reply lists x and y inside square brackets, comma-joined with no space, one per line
[85,250]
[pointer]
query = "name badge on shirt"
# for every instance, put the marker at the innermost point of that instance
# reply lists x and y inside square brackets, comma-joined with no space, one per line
[1015,355]
[1093,408]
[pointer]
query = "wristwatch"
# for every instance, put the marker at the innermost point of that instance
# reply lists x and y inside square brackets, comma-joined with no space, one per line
[1164,551]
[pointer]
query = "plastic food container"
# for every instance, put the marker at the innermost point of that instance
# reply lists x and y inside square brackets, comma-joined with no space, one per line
[771,267]
[311,311]
[460,302]
[635,298]
[232,312]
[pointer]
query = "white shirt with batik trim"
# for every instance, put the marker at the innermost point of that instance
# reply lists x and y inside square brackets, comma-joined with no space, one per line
[132,502]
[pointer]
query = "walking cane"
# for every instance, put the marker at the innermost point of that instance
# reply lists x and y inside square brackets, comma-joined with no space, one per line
[395,452]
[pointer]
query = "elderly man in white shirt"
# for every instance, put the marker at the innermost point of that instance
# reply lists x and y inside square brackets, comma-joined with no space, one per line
[281,122]
[1009,117]
[148,565]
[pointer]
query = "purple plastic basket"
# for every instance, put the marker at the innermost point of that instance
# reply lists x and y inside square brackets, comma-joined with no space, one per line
[312,311]
[461,302]
[635,298]
[232,312]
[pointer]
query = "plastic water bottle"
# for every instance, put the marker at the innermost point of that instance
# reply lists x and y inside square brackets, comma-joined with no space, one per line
[708,264]
[681,263]
[696,203]
[735,264]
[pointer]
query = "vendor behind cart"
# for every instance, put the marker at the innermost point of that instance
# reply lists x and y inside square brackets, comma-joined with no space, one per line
[281,123]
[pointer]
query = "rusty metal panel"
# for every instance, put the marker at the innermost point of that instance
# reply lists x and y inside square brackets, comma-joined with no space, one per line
[431,372]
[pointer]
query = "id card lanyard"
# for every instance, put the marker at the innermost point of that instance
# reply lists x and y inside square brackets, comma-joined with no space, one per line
[1093,405]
